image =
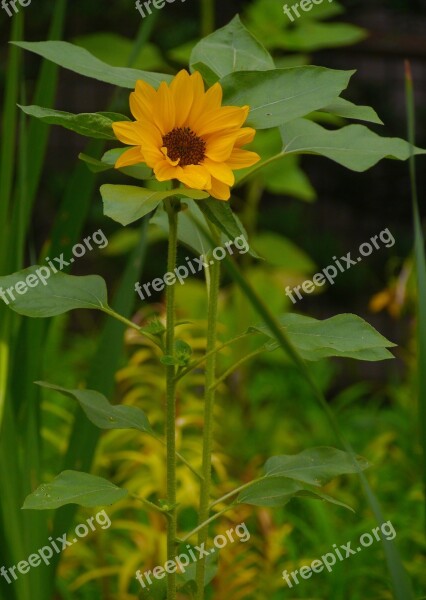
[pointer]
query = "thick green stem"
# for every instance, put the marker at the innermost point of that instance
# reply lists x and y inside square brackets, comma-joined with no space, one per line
[172,207]
[208,420]
[207,17]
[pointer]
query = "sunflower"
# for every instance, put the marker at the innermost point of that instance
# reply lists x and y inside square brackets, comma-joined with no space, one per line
[183,132]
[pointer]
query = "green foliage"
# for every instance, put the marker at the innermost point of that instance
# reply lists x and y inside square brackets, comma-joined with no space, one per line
[58,294]
[126,204]
[345,335]
[230,49]
[94,125]
[355,146]
[103,414]
[76,59]
[281,95]
[73,487]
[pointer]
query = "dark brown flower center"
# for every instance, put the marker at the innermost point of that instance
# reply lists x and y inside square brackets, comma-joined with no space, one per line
[183,143]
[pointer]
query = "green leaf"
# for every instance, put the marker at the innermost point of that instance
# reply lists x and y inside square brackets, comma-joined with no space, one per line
[355,146]
[103,414]
[59,294]
[278,251]
[345,335]
[74,487]
[140,171]
[127,203]
[315,466]
[94,125]
[183,352]
[282,95]
[232,48]
[343,108]
[278,491]
[117,50]
[80,61]
[209,76]
[310,36]
[220,214]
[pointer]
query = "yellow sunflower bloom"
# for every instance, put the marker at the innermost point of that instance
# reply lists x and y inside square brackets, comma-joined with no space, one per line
[183,132]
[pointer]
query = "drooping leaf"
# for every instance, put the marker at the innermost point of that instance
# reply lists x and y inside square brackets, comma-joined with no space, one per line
[94,125]
[344,335]
[231,48]
[127,203]
[74,487]
[47,294]
[103,414]
[343,108]
[281,95]
[315,466]
[355,146]
[281,252]
[278,491]
[222,216]
[80,61]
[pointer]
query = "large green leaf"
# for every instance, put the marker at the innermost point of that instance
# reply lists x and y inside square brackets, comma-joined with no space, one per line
[80,61]
[355,146]
[94,125]
[315,466]
[232,48]
[281,95]
[278,491]
[58,294]
[127,203]
[344,335]
[103,414]
[74,487]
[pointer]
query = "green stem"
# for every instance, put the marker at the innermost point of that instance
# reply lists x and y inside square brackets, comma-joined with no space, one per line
[210,520]
[172,208]
[208,422]
[236,365]
[201,360]
[207,17]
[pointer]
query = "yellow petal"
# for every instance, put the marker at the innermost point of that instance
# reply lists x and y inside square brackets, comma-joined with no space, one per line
[143,100]
[165,151]
[227,117]
[219,190]
[195,176]
[220,171]
[126,132]
[240,159]
[164,113]
[245,136]
[164,171]
[133,156]
[182,91]
[148,134]
[213,98]
[197,107]
[220,145]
